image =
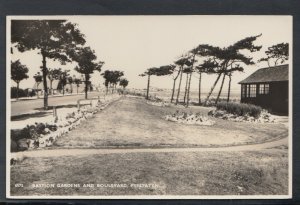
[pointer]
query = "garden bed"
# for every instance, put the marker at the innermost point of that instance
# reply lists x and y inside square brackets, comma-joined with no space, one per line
[264,117]
[43,134]
[185,118]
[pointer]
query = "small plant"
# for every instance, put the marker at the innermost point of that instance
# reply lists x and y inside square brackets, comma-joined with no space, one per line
[240,109]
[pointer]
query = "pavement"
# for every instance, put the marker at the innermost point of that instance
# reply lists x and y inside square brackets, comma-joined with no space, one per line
[35,105]
[76,152]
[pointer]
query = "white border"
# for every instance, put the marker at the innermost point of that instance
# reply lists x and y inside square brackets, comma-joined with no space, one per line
[8,114]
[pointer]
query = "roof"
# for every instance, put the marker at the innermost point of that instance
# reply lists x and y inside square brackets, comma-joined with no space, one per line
[269,74]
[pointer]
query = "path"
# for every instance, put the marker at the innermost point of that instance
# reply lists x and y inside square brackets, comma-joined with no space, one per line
[76,152]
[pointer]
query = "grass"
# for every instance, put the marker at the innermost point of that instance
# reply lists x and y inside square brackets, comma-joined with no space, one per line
[187,173]
[133,123]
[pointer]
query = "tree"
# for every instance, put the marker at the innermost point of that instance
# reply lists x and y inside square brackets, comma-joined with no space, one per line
[18,73]
[63,80]
[187,71]
[71,81]
[278,52]
[172,68]
[77,81]
[181,62]
[148,72]
[38,79]
[202,68]
[225,61]
[193,54]
[115,78]
[53,74]
[158,71]
[86,60]
[53,39]
[123,82]
[107,75]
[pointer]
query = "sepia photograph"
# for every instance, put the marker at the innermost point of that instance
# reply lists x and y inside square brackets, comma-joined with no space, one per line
[149,107]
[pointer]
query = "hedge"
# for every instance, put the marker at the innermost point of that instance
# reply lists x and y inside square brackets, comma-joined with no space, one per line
[240,109]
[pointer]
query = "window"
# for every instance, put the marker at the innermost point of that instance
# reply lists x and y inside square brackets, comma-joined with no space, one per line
[244,91]
[261,89]
[264,89]
[253,90]
[267,88]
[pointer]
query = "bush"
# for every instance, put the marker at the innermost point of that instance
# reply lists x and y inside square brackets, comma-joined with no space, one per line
[14,92]
[22,93]
[32,131]
[240,109]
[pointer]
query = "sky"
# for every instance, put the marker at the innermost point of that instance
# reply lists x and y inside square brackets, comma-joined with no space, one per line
[134,43]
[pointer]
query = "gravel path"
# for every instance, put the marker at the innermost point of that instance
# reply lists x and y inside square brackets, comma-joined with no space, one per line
[75,152]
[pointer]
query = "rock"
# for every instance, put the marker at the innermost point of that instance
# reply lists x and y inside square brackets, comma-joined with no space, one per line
[22,144]
[211,112]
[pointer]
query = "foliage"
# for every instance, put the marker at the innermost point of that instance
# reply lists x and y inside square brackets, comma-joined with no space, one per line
[112,77]
[225,61]
[77,81]
[159,71]
[38,78]
[32,131]
[278,52]
[63,78]
[18,71]
[240,109]
[54,74]
[86,60]
[52,38]
[124,82]
[14,92]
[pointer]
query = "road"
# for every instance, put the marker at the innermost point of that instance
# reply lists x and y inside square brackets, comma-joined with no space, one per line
[29,106]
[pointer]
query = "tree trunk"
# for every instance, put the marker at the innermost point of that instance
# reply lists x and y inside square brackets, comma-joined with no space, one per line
[63,87]
[178,92]
[148,86]
[185,90]
[218,97]
[200,88]
[212,88]
[71,88]
[173,90]
[17,90]
[51,90]
[77,89]
[106,89]
[86,86]
[174,83]
[37,91]
[44,71]
[188,91]
[229,87]
[189,88]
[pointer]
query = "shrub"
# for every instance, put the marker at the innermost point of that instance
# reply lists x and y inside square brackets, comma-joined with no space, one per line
[22,93]
[240,109]
[32,131]
[14,92]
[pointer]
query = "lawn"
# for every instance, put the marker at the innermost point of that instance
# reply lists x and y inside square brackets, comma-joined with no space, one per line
[187,173]
[130,122]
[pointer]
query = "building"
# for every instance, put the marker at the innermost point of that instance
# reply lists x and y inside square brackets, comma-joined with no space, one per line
[268,88]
